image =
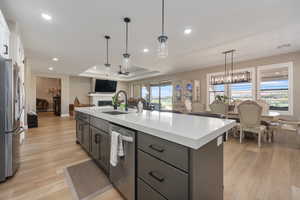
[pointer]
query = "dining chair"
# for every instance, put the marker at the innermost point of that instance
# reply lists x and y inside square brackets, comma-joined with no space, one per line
[250,120]
[236,103]
[265,106]
[219,108]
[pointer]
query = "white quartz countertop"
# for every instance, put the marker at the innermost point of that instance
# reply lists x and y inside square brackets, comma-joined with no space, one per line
[188,130]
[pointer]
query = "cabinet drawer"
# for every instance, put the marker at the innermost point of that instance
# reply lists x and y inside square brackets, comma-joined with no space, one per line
[145,192]
[167,180]
[100,124]
[82,116]
[170,152]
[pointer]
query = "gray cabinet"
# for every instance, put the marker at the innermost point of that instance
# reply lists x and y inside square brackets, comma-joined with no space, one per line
[104,150]
[79,128]
[100,147]
[93,135]
[86,136]
[170,171]
[167,180]
[95,143]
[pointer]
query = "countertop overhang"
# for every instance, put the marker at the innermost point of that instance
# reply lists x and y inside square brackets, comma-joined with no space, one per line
[188,130]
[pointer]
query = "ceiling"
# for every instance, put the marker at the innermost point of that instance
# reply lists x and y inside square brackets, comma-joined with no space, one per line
[76,34]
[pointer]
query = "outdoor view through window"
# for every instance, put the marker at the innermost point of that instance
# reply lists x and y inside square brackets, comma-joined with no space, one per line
[161,96]
[274,88]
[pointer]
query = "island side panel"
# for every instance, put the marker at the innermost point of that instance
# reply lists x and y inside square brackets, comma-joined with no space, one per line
[206,172]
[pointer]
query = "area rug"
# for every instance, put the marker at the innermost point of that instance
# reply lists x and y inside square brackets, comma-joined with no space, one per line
[86,180]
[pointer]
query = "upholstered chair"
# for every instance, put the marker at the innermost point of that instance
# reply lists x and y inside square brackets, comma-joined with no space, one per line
[219,108]
[265,106]
[250,120]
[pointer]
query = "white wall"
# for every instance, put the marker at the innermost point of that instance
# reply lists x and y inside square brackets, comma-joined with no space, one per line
[80,87]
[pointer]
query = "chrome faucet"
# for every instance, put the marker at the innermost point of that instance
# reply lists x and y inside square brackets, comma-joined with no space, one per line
[126,100]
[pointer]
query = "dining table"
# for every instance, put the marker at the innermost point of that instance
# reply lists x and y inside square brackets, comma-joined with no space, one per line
[267,116]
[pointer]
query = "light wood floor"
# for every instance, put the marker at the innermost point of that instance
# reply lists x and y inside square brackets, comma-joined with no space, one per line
[269,173]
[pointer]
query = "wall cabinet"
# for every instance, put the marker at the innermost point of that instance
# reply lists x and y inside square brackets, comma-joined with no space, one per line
[4,37]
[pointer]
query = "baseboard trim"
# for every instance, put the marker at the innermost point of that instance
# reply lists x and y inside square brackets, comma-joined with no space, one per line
[64,115]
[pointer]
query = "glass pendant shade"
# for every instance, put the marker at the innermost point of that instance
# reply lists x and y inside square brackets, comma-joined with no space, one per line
[162,51]
[107,70]
[126,63]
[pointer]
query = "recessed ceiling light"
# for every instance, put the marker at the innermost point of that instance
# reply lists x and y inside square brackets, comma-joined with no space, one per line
[95,67]
[187,31]
[145,50]
[55,59]
[46,17]
[50,68]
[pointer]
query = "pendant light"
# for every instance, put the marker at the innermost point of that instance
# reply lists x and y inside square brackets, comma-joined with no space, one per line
[106,64]
[229,76]
[126,63]
[162,39]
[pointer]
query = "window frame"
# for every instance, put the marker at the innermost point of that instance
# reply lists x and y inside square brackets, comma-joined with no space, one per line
[290,67]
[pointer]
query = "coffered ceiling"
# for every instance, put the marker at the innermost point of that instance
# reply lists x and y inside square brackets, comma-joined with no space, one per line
[76,33]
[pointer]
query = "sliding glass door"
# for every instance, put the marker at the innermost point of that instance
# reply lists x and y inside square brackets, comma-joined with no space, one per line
[161,96]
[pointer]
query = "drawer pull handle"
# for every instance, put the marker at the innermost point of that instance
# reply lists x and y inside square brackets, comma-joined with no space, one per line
[6,49]
[156,176]
[156,148]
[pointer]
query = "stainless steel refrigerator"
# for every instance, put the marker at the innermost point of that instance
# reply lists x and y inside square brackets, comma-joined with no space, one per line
[10,113]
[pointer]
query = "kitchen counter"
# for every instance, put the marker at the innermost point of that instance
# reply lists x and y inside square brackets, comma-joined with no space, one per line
[169,156]
[187,130]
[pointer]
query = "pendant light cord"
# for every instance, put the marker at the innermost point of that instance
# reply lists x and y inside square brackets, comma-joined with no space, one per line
[163,18]
[225,64]
[232,66]
[126,37]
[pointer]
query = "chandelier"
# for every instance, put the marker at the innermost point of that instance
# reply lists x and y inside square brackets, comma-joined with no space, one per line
[229,76]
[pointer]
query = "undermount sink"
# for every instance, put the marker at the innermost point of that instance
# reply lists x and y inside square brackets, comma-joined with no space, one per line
[115,112]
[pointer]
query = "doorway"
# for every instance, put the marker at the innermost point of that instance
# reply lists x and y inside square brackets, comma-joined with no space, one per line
[48,95]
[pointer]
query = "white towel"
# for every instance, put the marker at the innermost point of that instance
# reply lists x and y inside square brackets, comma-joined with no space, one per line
[121,147]
[114,146]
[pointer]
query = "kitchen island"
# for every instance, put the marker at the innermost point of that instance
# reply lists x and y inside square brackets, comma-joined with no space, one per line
[176,156]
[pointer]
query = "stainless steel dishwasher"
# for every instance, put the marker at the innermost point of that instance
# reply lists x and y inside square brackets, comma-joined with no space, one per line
[122,176]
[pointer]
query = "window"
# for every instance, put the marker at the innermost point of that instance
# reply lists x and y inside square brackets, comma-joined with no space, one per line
[166,94]
[145,93]
[215,90]
[275,87]
[241,91]
[154,96]
[161,96]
